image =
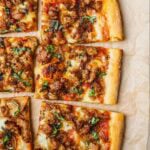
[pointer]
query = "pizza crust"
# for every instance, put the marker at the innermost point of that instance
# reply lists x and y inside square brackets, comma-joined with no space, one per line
[112,78]
[116,130]
[112,11]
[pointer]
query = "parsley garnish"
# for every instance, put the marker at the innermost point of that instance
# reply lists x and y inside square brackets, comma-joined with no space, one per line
[94,121]
[59,117]
[45,86]
[92,92]
[95,135]
[55,128]
[77,91]
[56,26]
[7,10]
[19,78]
[6,137]
[91,19]
[101,74]
[50,48]
[18,50]
[18,30]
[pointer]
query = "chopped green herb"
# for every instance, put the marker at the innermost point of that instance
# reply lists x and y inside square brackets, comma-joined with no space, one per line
[45,86]
[101,74]
[16,113]
[19,78]
[18,30]
[56,26]
[17,75]
[55,128]
[95,135]
[26,83]
[6,137]
[7,10]
[59,56]
[18,50]
[59,117]
[77,91]
[92,92]
[50,48]
[94,121]
[91,19]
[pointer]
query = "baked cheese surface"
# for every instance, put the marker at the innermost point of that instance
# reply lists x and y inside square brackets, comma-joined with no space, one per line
[71,127]
[18,16]
[87,74]
[80,21]
[17,63]
[15,133]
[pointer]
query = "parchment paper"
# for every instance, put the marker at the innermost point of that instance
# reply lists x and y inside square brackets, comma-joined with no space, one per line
[134,89]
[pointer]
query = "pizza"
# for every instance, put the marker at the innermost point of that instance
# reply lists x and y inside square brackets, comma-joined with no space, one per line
[15,133]
[16,64]
[80,21]
[68,72]
[66,127]
[18,16]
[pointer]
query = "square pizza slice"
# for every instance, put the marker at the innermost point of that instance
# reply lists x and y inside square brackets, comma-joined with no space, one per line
[81,21]
[65,127]
[87,74]
[17,62]
[18,16]
[15,133]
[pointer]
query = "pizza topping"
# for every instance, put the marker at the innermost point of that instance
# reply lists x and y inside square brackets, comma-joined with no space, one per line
[55,25]
[91,19]
[95,135]
[18,77]
[55,128]
[59,117]
[94,121]
[18,50]
[74,127]
[73,72]
[45,86]
[18,16]
[7,137]
[92,92]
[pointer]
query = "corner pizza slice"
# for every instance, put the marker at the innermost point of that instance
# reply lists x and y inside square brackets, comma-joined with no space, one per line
[65,127]
[17,62]
[15,133]
[87,74]
[18,16]
[80,21]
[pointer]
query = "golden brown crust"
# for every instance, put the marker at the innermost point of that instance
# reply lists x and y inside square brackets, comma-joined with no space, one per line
[116,130]
[112,11]
[112,80]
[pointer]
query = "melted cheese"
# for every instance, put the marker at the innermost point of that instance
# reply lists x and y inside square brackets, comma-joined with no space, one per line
[29,17]
[67,126]
[42,140]
[2,123]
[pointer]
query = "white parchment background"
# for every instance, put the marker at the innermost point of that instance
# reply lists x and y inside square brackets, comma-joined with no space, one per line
[134,90]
